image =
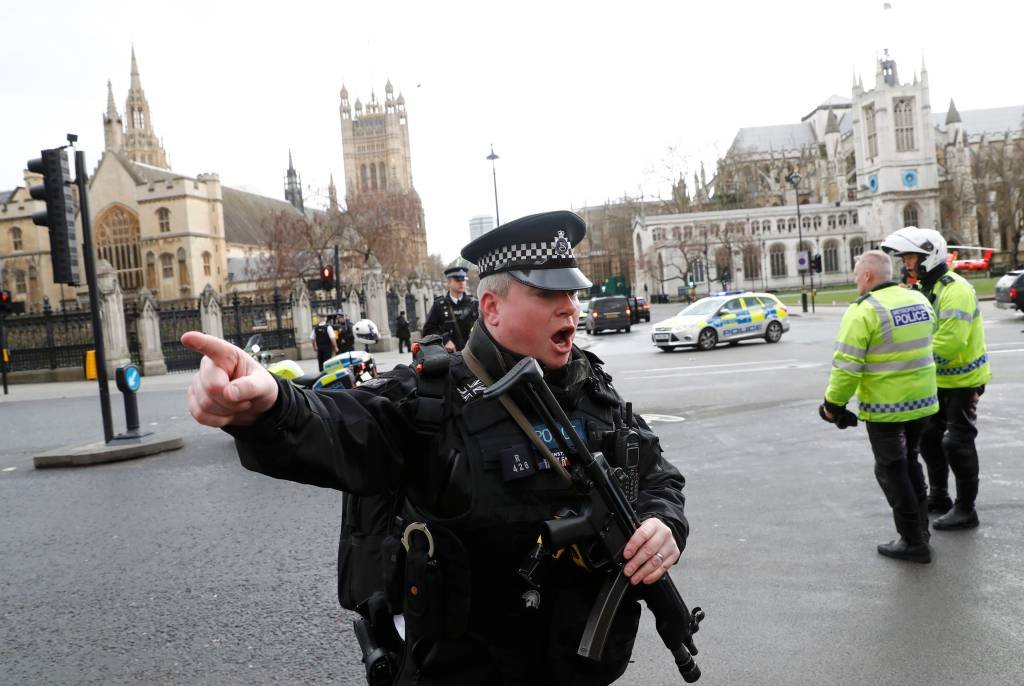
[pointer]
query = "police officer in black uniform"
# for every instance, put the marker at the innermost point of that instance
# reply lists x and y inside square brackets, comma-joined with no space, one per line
[453,314]
[323,342]
[473,489]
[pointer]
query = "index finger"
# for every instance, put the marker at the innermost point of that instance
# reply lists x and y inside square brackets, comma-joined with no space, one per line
[222,353]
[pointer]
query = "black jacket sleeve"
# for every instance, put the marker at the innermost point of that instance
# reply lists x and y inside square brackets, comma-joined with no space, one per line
[661,485]
[435,320]
[362,441]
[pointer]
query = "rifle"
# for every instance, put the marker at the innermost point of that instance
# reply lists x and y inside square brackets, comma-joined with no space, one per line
[606,523]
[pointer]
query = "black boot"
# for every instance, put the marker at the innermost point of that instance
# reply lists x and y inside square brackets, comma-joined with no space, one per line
[901,549]
[963,515]
[957,518]
[939,502]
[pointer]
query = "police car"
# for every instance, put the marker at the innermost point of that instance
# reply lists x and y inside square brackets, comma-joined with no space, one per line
[726,316]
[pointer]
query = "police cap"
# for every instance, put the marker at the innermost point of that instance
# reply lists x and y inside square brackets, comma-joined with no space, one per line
[536,250]
[456,273]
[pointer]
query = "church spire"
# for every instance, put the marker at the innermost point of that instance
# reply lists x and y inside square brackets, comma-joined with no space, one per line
[111,107]
[332,195]
[141,141]
[293,185]
[113,127]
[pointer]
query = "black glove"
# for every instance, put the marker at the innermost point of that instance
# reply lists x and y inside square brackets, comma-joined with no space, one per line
[841,417]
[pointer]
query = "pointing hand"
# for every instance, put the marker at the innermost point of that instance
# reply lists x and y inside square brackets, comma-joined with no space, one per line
[230,387]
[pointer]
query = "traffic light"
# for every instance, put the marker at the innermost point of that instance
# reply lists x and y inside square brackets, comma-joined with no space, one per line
[6,304]
[816,263]
[327,278]
[59,215]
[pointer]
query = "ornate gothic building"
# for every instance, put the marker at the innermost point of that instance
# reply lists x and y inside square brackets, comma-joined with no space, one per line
[867,165]
[379,192]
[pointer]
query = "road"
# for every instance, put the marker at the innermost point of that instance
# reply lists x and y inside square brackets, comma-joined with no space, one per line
[186,568]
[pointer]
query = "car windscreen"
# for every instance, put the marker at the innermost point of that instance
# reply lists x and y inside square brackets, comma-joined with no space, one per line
[703,307]
[609,305]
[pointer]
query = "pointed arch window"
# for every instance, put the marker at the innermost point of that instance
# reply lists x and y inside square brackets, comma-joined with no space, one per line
[856,248]
[364,177]
[871,131]
[910,215]
[206,264]
[20,282]
[777,259]
[16,243]
[151,281]
[138,119]
[752,261]
[163,217]
[167,265]
[830,256]
[118,242]
[380,175]
[182,268]
[373,176]
[903,111]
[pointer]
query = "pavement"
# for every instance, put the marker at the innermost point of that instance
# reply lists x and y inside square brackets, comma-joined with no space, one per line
[186,568]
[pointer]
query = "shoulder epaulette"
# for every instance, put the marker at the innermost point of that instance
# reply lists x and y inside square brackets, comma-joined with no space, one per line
[947,279]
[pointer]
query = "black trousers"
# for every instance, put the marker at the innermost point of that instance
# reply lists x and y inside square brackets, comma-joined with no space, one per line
[321,357]
[407,341]
[899,473]
[948,444]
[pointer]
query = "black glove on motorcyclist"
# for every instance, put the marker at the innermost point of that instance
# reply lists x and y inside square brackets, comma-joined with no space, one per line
[841,417]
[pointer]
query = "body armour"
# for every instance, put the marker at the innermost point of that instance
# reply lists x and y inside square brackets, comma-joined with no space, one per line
[474,480]
[453,322]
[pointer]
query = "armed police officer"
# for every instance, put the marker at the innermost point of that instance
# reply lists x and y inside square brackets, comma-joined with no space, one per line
[883,353]
[475,491]
[962,368]
[453,314]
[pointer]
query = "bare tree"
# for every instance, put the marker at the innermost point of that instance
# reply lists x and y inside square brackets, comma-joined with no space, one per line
[999,181]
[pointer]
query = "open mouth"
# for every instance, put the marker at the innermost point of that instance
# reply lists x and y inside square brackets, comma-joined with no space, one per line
[563,337]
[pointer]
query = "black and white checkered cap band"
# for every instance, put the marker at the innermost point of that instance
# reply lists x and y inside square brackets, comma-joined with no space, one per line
[553,255]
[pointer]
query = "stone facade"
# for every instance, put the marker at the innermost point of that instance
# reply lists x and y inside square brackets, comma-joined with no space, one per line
[868,165]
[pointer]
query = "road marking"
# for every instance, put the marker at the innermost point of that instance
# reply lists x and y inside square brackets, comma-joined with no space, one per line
[1002,344]
[9,469]
[1014,350]
[729,371]
[706,366]
[667,418]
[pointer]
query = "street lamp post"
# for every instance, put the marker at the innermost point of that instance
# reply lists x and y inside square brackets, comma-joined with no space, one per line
[494,174]
[794,179]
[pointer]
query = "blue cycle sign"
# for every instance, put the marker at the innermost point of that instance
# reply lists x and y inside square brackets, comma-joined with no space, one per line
[133,378]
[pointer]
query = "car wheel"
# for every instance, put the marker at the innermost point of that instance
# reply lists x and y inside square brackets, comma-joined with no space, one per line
[666,348]
[627,329]
[707,339]
[774,332]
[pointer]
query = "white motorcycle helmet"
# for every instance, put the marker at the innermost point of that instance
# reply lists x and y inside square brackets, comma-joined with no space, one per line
[928,243]
[366,332]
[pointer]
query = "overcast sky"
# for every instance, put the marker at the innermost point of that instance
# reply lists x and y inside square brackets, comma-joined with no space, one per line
[582,101]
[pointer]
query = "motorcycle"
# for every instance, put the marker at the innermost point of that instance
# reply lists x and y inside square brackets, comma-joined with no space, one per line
[343,371]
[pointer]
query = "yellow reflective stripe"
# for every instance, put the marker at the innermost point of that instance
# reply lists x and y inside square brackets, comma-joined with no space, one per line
[848,366]
[958,314]
[901,347]
[850,349]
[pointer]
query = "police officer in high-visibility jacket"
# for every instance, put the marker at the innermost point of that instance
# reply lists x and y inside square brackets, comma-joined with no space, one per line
[963,370]
[883,353]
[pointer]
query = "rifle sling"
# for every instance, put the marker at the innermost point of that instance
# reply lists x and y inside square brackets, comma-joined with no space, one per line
[512,408]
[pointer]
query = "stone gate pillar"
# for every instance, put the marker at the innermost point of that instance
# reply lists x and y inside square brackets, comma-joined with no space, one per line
[377,304]
[151,352]
[419,295]
[115,335]
[302,320]
[210,313]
